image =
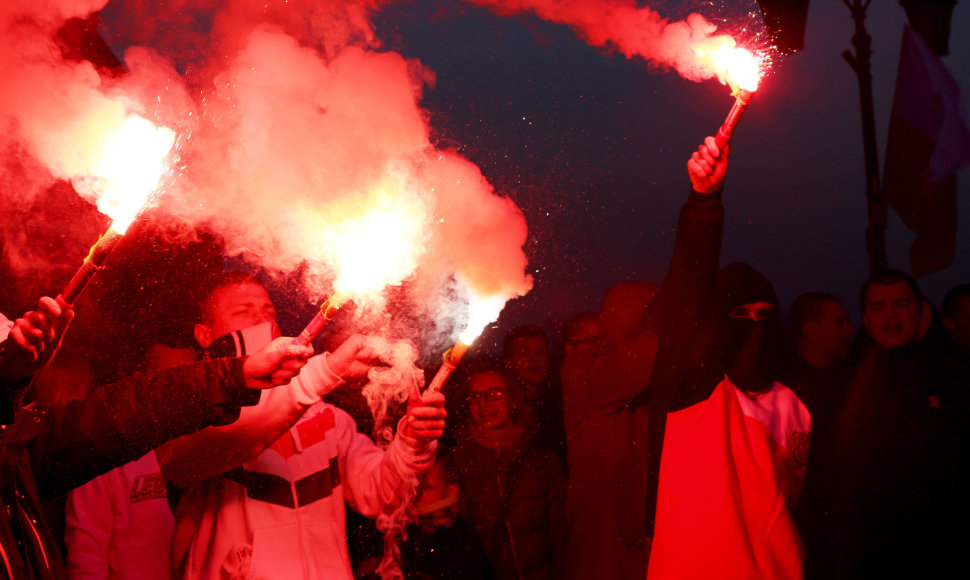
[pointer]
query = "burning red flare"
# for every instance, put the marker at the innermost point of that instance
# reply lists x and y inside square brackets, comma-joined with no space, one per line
[736,67]
[733,66]
[481,312]
[127,168]
[374,241]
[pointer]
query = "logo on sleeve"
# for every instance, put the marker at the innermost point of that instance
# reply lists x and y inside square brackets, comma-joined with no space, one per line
[149,486]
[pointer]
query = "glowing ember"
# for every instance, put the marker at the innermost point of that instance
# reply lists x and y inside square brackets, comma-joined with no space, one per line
[734,66]
[130,163]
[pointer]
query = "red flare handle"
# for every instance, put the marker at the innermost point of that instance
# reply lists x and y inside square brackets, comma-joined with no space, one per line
[451,358]
[734,115]
[92,263]
[328,310]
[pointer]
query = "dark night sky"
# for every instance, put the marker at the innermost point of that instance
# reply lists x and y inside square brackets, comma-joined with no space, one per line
[593,149]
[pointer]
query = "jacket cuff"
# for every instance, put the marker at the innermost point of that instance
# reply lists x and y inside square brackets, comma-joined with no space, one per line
[315,380]
[704,205]
[698,197]
[235,393]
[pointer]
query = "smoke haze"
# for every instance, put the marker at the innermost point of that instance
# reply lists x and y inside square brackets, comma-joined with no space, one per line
[294,126]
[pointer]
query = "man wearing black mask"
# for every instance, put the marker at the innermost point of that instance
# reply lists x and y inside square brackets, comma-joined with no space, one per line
[727,442]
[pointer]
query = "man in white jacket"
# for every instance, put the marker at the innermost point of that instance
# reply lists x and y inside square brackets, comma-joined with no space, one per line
[265,494]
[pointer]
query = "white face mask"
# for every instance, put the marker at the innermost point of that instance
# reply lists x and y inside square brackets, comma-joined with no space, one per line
[245,341]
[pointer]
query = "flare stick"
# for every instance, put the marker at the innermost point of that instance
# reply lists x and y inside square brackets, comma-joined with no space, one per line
[727,128]
[92,263]
[327,311]
[451,359]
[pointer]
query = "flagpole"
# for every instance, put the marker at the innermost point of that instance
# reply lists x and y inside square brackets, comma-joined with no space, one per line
[860,63]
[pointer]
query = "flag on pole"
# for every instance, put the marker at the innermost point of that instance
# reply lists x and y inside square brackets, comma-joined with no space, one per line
[928,143]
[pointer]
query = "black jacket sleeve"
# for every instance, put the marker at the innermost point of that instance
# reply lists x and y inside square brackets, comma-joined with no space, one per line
[684,338]
[122,421]
[678,378]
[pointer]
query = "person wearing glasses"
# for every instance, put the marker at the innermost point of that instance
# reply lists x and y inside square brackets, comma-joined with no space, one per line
[514,492]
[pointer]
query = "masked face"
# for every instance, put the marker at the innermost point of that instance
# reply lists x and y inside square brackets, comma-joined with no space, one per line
[235,307]
[745,308]
[747,345]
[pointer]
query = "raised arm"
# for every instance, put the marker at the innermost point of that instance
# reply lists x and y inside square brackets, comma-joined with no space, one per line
[693,268]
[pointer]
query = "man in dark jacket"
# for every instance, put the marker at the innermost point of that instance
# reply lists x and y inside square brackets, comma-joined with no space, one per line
[47,451]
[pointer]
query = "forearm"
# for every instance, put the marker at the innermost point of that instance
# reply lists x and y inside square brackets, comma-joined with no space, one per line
[123,421]
[379,480]
[689,281]
[193,458]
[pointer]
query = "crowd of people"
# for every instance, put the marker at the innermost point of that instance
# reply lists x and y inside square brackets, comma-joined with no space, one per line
[679,431]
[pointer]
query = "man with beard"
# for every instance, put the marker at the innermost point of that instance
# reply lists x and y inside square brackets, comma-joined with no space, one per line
[734,441]
[525,353]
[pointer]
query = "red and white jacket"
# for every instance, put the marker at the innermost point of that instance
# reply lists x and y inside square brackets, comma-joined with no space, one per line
[281,514]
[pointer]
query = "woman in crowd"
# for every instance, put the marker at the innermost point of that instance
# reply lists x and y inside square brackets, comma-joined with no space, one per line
[514,491]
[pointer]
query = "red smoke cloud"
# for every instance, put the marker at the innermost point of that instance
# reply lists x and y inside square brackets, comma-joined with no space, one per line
[293,126]
[633,30]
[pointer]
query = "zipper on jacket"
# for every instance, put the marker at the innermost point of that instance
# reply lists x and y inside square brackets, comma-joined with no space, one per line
[33,529]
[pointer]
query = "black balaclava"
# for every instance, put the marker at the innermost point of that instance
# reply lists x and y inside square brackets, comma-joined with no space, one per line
[747,350]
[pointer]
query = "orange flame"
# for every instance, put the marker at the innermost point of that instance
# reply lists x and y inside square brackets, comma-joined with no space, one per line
[734,66]
[130,163]
[375,239]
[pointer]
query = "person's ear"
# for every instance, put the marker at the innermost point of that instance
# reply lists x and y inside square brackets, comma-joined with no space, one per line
[203,335]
